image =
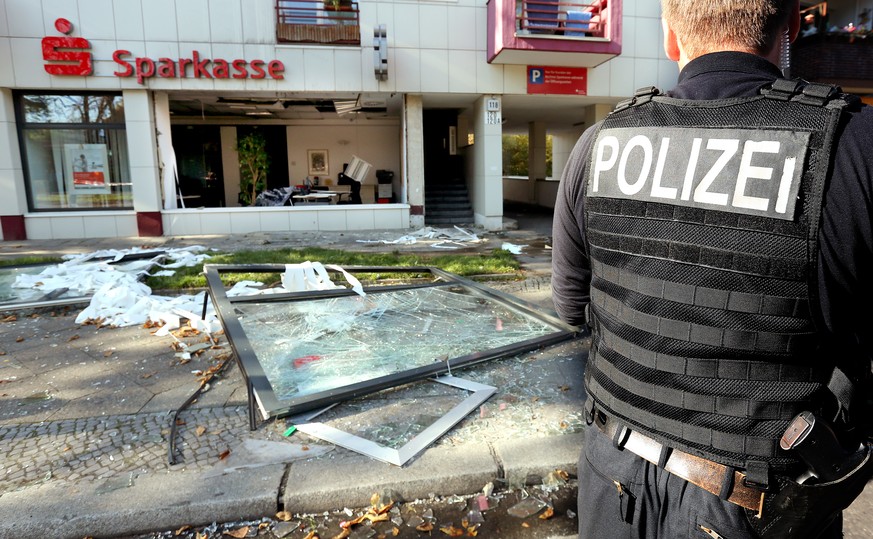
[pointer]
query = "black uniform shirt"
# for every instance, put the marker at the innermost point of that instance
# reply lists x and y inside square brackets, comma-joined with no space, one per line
[845,273]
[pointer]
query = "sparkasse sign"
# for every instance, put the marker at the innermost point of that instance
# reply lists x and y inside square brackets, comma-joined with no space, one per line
[72,56]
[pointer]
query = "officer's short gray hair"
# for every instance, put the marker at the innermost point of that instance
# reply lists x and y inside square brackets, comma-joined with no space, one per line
[705,26]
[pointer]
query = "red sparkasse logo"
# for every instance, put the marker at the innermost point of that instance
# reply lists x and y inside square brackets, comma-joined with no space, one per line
[70,56]
[66,55]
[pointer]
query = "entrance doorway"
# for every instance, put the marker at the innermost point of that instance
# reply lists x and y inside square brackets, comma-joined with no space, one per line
[198,158]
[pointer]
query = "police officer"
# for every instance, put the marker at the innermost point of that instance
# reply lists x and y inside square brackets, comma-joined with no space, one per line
[718,242]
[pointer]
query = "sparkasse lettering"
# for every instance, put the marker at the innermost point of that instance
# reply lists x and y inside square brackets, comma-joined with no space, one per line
[200,68]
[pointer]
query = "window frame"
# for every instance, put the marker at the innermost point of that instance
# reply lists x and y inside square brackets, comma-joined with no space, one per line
[22,126]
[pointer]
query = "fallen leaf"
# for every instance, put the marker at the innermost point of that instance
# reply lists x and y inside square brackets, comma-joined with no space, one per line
[343,534]
[375,499]
[200,430]
[183,529]
[473,531]
[73,338]
[107,353]
[10,318]
[548,513]
[564,388]
[562,474]
[223,455]
[452,531]
[525,525]
[199,535]
[311,535]
[34,315]
[395,531]
[19,339]
[284,516]
[2,353]
[180,422]
[563,424]
[239,534]
[148,375]
[424,527]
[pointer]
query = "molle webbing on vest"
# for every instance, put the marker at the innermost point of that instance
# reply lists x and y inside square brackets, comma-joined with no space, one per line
[703,250]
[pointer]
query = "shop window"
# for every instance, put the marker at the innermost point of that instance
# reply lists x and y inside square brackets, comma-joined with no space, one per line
[74,151]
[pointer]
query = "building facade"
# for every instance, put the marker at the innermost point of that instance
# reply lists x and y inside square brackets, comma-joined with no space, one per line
[124,117]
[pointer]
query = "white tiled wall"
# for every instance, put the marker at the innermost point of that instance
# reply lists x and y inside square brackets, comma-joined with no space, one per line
[240,221]
[80,225]
[433,47]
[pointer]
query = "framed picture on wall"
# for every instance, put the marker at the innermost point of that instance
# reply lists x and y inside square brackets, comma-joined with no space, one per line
[317,160]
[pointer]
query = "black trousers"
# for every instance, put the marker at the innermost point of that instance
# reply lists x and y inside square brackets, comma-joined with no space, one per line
[624,496]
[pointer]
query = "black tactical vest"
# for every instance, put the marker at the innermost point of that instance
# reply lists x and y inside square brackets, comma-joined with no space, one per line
[702,221]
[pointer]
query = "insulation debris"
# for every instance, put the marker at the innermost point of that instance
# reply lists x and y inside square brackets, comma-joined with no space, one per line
[440,237]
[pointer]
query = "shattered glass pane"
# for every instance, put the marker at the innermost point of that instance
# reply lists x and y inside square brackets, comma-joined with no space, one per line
[318,345]
[527,507]
[8,294]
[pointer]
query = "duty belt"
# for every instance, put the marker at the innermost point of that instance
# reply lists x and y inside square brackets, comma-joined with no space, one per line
[706,474]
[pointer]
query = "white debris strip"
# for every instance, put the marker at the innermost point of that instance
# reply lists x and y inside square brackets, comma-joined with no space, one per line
[443,238]
[299,278]
[118,296]
[512,248]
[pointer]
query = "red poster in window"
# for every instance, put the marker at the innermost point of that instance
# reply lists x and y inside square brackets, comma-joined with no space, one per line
[557,80]
[86,168]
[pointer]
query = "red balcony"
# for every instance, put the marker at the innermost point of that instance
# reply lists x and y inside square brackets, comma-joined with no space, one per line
[579,33]
[332,22]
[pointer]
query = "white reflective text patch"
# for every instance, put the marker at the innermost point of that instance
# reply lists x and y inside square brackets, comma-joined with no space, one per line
[749,171]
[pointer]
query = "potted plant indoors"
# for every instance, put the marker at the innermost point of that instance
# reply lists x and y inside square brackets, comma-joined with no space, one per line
[254,162]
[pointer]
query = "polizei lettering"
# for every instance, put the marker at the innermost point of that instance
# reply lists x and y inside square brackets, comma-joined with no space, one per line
[749,171]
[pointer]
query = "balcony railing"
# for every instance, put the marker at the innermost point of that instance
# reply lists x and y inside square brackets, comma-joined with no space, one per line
[334,22]
[573,19]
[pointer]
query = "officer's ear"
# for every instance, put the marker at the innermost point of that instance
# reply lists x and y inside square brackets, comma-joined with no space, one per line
[794,22]
[671,42]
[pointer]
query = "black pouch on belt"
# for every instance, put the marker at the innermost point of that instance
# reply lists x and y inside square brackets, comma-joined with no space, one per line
[804,510]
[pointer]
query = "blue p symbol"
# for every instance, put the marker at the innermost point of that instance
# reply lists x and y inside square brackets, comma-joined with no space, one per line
[535,74]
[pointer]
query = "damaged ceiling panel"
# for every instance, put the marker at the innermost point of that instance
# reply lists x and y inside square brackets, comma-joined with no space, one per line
[304,350]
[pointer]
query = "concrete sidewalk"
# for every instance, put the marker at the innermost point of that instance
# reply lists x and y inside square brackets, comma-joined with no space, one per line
[86,412]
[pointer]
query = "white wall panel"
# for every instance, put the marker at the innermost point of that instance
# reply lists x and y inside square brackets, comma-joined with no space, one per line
[159,20]
[318,64]
[649,40]
[621,76]
[462,71]
[391,218]
[295,72]
[52,10]
[406,31]
[302,219]
[433,22]
[217,222]
[244,222]
[515,79]
[181,223]
[99,226]
[360,219]
[598,79]
[462,28]
[334,219]
[645,72]
[97,19]
[275,220]
[489,77]
[4,25]
[347,67]
[435,70]
[126,226]
[38,228]
[67,227]
[192,17]
[128,19]
[481,28]
[407,69]
[644,8]
[225,20]
[259,21]
[28,64]
[7,74]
